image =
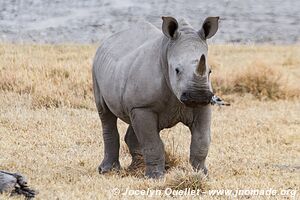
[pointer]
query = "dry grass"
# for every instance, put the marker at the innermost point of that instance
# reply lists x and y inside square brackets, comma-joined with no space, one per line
[54,76]
[50,132]
[266,72]
[181,179]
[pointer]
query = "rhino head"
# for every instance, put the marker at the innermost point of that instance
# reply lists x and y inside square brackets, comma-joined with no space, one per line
[186,58]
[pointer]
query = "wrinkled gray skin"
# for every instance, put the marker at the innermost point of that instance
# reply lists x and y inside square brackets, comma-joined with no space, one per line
[153,79]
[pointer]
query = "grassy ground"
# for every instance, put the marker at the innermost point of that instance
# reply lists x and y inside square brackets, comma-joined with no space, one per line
[50,131]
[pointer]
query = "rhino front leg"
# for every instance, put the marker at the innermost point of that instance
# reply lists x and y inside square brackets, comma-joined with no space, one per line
[145,125]
[200,140]
[111,143]
[134,149]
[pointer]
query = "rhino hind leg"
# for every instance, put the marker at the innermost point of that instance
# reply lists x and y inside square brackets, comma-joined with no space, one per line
[110,135]
[134,149]
[111,140]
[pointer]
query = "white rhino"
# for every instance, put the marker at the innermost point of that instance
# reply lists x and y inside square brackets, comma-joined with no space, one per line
[153,79]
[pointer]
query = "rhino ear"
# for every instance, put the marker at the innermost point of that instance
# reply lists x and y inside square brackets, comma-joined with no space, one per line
[209,27]
[170,27]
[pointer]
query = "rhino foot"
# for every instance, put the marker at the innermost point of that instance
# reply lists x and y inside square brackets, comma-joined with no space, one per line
[204,170]
[200,168]
[107,166]
[155,172]
[137,162]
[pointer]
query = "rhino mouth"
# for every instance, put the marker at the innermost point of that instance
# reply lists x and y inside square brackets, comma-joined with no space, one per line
[194,104]
[194,100]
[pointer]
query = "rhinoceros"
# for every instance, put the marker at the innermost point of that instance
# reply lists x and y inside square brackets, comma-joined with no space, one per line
[152,79]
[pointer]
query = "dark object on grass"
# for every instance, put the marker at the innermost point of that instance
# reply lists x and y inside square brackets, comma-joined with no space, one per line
[215,100]
[15,184]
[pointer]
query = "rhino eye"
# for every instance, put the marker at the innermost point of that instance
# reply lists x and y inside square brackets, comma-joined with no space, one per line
[209,71]
[177,71]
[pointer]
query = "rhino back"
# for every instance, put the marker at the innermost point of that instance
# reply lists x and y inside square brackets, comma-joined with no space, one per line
[125,42]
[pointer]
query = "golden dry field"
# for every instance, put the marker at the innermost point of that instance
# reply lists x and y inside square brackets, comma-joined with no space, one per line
[51,133]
